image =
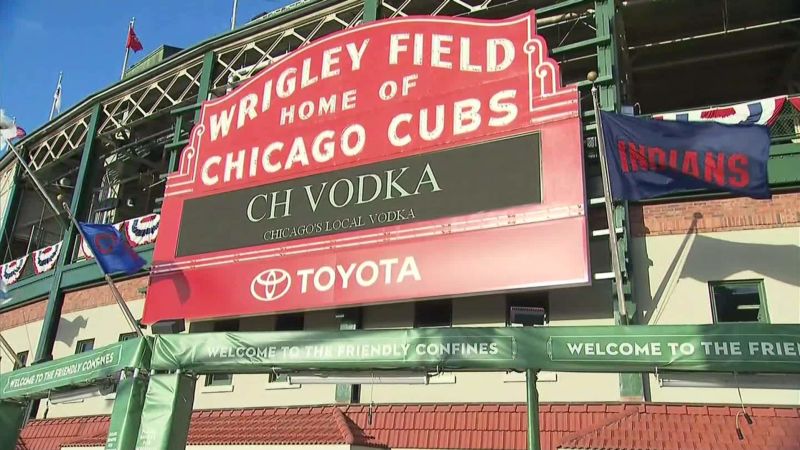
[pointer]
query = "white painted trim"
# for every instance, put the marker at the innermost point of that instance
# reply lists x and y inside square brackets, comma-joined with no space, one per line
[443,378]
[276,385]
[519,377]
[218,388]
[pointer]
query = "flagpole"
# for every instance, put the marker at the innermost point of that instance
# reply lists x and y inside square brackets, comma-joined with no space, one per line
[612,229]
[233,17]
[10,350]
[57,94]
[117,296]
[127,49]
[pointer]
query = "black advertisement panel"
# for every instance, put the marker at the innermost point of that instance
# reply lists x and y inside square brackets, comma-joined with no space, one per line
[467,180]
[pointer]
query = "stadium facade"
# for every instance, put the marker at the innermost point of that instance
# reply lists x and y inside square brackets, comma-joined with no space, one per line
[701,258]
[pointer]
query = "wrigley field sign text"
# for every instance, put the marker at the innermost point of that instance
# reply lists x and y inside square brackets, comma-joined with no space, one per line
[377,164]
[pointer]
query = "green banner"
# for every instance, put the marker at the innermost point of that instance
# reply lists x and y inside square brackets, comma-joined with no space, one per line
[11,417]
[82,369]
[127,414]
[699,351]
[167,412]
[740,347]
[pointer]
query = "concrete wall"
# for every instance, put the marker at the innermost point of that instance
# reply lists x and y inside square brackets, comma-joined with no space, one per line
[671,279]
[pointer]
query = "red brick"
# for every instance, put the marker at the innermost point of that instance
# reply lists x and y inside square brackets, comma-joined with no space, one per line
[727,214]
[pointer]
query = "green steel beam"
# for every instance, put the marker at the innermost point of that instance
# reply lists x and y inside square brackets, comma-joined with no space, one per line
[631,385]
[85,273]
[44,351]
[7,225]
[205,81]
[598,40]
[559,6]
[371,8]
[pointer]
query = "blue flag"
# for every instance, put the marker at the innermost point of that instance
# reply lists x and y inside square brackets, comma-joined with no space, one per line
[111,249]
[651,158]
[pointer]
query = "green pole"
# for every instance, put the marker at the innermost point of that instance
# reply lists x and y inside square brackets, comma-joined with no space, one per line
[11,418]
[533,411]
[55,300]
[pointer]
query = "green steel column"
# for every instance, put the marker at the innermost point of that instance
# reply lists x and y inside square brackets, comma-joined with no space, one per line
[52,315]
[205,80]
[167,412]
[7,225]
[534,439]
[11,418]
[630,384]
[371,10]
[126,417]
[349,319]
[202,93]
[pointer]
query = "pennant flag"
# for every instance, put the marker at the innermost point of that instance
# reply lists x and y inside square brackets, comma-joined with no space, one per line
[133,42]
[757,112]
[111,249]
[651,158]
[57,98]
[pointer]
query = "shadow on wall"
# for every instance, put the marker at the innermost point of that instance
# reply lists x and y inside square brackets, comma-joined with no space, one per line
[68,330]
[705,258]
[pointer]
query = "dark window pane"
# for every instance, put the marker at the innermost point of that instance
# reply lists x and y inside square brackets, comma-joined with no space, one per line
[436,313]
[23,357]
[736,302]
[83,346]
[127,336]
[227,325]
[289,322]
[219,379]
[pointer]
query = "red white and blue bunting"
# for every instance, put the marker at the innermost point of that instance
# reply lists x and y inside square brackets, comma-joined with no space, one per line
[11,271]
[142,230]
[757,112]
[45,259]
[139,231]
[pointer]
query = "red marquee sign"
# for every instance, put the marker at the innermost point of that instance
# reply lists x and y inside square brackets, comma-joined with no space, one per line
[403,159]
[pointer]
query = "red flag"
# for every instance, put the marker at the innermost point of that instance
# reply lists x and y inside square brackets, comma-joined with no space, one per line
[133,41]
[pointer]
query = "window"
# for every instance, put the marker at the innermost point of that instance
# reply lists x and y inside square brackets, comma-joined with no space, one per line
[290,322]
[222,379]
[738,301]
[435,313]
[84,346]
[127,336]
[23,357]
[530,300]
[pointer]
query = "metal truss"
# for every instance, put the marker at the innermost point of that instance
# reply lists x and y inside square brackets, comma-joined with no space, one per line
[166,91]
[65,139]
[403,8]
[243,59]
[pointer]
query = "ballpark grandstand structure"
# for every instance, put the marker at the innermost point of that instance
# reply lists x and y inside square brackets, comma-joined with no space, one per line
[383,351]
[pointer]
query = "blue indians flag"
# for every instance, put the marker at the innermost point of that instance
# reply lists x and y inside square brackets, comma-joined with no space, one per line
[111,249]
[651,158]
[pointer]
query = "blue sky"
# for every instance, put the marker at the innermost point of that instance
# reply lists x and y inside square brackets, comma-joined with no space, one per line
[85,39]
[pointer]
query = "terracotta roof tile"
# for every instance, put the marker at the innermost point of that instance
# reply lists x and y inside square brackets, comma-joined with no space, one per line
[463,426]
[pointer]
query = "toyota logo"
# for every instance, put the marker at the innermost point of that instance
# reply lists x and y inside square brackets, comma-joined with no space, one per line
[270,284]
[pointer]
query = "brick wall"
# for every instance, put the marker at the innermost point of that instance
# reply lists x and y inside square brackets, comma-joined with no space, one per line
[728,214]
[74,301]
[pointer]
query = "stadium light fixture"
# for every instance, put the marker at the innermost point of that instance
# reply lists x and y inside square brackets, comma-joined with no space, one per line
[75,395]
